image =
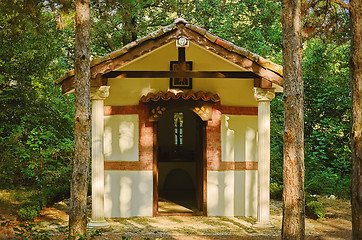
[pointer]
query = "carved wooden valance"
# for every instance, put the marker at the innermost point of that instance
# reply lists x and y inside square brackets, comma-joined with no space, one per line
[199,102]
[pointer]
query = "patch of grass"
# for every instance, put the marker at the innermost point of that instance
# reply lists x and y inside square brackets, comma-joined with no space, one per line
[10,199]
[17,195]
[337,208]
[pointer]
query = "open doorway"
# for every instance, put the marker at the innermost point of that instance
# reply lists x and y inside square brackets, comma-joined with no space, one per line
[180,163]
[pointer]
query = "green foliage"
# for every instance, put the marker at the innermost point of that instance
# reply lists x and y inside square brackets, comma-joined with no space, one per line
[327,118]
[315,210]
[327,121]
[36,122]
[252,24]
[56,194]
[276,191]
[309,198]
[28,213]
[30,210]
[276,139]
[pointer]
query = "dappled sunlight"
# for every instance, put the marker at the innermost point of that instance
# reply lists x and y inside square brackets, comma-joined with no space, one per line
[108,142]
[128,193]
[126,136]
[110,195]
[148,89]
[212,193]
[252,197]
[232,193]
[227,139]
[250,144]
[125,195]
[121,134]
[228,193]
[239,138]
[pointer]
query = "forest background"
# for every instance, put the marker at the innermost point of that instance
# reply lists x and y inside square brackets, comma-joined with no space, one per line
[37,47]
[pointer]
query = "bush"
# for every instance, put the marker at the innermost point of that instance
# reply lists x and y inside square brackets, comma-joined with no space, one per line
[276,191]
[28,214]
[39,198]
[31,204]
[56,194]
[29,210]
[309,198]
[315,210]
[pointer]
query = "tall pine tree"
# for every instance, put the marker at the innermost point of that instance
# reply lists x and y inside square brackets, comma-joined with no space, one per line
[356,85]
[82,122]
[293,168]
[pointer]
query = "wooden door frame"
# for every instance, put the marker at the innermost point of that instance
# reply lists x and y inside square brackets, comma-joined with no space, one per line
[155,174]
[204,169]
[155,169]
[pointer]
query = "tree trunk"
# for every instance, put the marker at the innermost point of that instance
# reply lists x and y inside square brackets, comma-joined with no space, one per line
[356,134]
[293,169]
[82,122]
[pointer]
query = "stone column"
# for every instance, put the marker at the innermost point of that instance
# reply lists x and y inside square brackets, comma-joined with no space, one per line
[263,96]
[98,95]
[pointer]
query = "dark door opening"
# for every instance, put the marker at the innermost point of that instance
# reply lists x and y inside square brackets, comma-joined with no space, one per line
[180,164]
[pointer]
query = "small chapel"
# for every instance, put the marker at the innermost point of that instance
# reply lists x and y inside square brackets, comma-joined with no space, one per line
[180,126]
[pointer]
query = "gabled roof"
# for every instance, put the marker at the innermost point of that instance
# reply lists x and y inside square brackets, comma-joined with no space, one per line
[242,57]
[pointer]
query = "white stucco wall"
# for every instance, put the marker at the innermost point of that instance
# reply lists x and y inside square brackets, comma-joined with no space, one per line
[121,137]
[128,193]
[232,193]
[239,138]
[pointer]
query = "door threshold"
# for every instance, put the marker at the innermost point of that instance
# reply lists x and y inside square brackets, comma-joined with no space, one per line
[161,214]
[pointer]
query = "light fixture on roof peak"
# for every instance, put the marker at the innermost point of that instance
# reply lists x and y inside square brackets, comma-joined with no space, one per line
[182,42]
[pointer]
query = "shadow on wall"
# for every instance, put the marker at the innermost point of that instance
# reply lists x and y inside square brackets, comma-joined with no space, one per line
[128,193]
[121,134]
[239,138]
[232,193]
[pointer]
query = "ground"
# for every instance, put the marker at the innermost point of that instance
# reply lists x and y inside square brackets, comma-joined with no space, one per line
[54,220]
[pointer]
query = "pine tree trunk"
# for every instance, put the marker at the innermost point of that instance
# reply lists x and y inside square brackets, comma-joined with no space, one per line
[356,134]
[82,122]
[293,169]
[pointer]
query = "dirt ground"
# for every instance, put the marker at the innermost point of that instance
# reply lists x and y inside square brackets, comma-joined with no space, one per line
[54,220]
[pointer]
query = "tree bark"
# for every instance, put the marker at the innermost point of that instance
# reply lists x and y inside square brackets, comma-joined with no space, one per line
[356,132]
[293,170]
[82,122]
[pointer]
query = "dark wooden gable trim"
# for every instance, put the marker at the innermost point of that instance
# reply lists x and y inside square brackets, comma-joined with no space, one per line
[231,56]
[117,59]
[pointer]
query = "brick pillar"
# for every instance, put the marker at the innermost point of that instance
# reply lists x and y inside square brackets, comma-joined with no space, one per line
[213,140]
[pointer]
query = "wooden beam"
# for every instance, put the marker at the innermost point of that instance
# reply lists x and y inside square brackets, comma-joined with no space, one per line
[180,74]
[181,63]
[181,54]
[262,83]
